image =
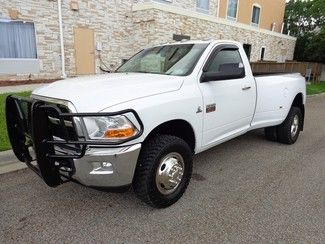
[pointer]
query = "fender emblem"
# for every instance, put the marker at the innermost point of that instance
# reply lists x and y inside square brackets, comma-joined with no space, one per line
[199,110]
[211,108]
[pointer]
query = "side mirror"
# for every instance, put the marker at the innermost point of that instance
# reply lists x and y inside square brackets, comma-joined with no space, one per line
[227,72]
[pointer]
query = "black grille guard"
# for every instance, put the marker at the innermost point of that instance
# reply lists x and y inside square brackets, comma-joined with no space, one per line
[29,126]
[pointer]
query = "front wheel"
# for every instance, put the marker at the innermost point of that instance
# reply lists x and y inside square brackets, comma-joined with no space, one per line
[288,131]
[164,170]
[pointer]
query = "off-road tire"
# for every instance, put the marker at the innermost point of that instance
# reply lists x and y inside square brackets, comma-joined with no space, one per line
[284,130]
[152,152]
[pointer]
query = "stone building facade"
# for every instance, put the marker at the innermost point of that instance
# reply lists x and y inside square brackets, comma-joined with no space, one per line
[117,29]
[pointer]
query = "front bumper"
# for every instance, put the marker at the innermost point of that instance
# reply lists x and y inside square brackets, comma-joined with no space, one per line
[107,167]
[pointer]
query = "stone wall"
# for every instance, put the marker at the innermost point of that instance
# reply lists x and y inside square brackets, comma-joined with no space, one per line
[159,27]
[124,30]
[109,19]
[111,24]
[44,15]
[189,5]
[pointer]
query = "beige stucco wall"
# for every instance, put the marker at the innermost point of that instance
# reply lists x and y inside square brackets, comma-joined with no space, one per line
[272,11]
[123,29]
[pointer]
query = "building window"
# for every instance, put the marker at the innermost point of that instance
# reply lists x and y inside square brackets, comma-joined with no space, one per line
[17,40]
[262,54]
[232,9]
[256,15]
[164,1]
[203,5]
[248,50]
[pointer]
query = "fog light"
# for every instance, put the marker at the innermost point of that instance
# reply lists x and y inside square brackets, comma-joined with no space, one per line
[102,168]
[106,165]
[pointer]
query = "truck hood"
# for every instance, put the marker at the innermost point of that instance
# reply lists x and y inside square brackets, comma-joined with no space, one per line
[95,93]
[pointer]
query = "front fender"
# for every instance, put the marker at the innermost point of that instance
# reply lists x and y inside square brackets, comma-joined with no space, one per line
[156,110]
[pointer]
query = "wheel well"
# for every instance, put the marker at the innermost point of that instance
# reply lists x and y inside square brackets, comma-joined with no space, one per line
[298,102]
[179,128]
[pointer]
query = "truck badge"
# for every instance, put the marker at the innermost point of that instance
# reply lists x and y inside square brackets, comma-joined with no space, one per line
[199,110]
[211,108]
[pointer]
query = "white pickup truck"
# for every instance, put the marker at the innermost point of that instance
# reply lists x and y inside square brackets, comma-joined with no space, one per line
[141,125]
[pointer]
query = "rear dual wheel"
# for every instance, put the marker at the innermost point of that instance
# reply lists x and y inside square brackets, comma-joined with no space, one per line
[288,132]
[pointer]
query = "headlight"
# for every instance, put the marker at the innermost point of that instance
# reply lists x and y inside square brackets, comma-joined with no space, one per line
[113,128]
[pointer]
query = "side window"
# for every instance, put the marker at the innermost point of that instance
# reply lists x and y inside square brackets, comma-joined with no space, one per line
[226,60]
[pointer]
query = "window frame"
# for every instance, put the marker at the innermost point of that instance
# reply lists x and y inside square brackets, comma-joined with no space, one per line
[163,1]
[264,54]
[237,11]
[249,55]
[255,5]
[35,34]
[202,10]
[190,72]
[215,51]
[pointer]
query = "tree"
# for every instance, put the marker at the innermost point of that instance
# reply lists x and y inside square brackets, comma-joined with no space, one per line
[305,19]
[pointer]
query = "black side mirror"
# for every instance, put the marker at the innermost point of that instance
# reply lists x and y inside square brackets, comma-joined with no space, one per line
[227,72]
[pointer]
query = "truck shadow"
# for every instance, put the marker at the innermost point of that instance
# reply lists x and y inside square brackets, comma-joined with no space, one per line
[90,201]
[214,159]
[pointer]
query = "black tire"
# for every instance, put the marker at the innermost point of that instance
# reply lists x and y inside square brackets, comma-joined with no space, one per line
[152,153]
[284,130]
[271,133]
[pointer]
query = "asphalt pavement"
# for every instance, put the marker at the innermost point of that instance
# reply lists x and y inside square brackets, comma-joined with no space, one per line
[247,190]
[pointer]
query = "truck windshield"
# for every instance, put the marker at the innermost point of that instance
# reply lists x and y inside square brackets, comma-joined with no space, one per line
[175,59]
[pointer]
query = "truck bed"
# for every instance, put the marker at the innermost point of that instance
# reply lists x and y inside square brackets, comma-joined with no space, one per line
[275,96]
[258,74]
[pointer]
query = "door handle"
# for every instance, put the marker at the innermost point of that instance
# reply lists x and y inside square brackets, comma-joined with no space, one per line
[246,88]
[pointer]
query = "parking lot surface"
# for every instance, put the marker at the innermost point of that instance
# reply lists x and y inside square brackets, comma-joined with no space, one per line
[247,190]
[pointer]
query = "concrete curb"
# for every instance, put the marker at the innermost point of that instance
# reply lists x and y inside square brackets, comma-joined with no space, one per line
[9,162]
[12,167]
[6,156]
[20,88]
[316,95]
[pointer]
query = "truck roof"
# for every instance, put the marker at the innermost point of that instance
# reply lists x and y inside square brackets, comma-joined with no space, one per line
[199,42]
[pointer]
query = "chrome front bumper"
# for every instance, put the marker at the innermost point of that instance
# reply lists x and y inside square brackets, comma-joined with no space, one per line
[107,167]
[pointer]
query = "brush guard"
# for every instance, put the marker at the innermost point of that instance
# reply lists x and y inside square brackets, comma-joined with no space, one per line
[52,135]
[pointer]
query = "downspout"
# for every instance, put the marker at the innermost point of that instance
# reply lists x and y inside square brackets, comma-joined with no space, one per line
[63,73]
[218,8]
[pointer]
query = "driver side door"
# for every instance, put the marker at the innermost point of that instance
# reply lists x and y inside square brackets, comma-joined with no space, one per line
[229,100]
